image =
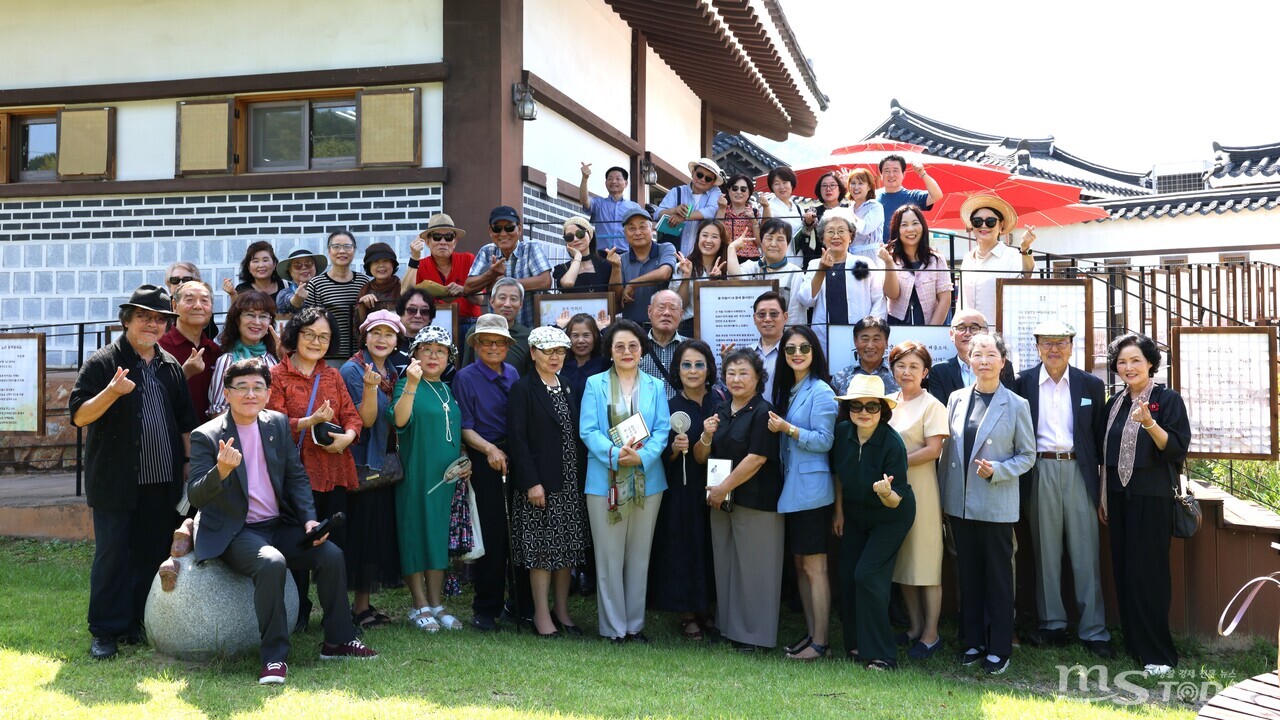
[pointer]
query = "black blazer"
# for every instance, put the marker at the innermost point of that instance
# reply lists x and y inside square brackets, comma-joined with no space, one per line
[1155,472]
[945,378]
[535,438]
[225,503]
[1088,418]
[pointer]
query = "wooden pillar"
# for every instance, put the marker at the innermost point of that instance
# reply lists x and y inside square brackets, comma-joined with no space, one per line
[639,95]
[708,130]
[483,138]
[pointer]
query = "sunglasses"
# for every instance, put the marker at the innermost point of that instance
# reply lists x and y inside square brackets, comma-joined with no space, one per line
[422,311]
[443,237]
[579,234]
[505,228]
[693,366]
[802,348]
[739,188]
[978,222]
[872,407]
[175,280]
[704,177]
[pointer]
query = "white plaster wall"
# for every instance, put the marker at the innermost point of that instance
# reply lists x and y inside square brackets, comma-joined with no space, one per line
[557,147]
[673,117]
[583,48]
[433,125]
[83,42]
[1145,241]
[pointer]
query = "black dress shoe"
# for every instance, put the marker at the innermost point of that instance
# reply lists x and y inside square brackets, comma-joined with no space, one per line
[1101,648]
[103,648]
[573,630]
[483,623]
[134,638]
[638,637]
[1042,637]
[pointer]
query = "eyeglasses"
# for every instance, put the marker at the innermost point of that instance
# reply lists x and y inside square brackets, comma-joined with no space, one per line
[969,329]
[828,186]
[555,351]
[342,247]
[704,177]
[175,280]
[420,311]
[872,407]
[740,188]
[579,234]
[147,318]
[487,343]
[443,237]
[629,347]
[978,222]
[249,389]
[316,337]
[507,228]
[693,365]
[260,317]
[768,314]
[802,348]
[1060,343]
[435,352]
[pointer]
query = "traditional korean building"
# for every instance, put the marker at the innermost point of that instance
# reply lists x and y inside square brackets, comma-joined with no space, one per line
[168,131]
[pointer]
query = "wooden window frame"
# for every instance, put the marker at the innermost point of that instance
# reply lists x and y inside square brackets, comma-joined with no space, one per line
[243,110]
[109,162]
[15,122]
[178,171]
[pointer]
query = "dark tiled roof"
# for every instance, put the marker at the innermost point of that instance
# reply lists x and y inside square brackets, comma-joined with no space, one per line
[1035,157]
[1251,163]
[1200,202]
[735,153]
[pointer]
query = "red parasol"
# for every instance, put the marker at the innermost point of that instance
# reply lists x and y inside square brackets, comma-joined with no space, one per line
[1027,195]
[953,176]
[1059,216]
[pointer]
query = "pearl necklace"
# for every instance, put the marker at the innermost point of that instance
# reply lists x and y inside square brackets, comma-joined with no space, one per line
[444,403]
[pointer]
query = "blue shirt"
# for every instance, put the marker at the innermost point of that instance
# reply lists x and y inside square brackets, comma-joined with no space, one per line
[482,397]
[840,381]
[660,253]
[371,448]
[606,214]
[528,260]
[706,204]
[892,201]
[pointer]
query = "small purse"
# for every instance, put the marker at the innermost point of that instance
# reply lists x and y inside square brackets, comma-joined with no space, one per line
[391,473]
[1187,516]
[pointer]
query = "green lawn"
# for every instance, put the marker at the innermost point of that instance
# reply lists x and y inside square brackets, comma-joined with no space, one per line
[45,671]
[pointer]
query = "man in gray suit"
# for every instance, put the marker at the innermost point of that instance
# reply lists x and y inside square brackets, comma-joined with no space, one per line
[255,509]
[1067,406]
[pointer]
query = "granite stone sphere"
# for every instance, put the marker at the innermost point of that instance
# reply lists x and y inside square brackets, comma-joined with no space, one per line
[210,613]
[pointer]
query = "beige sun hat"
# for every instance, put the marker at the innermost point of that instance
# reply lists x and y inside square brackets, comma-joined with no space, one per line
[709,165]
[441,221]
[976,202]
[867,386]
[489,324]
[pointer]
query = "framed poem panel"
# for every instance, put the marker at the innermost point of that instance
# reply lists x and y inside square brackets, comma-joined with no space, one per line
[1022,304]
[547,307]
[22,384]
[722,311]
[1227,378]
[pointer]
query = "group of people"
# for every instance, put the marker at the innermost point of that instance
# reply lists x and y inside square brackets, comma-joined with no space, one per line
[677,475]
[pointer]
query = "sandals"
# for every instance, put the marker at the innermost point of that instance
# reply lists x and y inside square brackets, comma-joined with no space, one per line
[797,647]
[370,618]
[444,619]
[425,620]
[881,665]
[821,651]
[690,634]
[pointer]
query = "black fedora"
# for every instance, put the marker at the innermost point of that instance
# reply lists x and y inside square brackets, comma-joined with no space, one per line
[151,297]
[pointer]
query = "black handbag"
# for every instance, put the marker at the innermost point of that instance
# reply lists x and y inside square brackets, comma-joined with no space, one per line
[1187,515]
[390,473]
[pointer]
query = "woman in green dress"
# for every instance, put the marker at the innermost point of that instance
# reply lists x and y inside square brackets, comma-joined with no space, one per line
[429,426]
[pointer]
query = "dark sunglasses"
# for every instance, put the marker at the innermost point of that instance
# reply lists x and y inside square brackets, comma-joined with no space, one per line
[579,234]
[740,188]
[802,348]
[978,222]
[423,311]
[704,178]
[872,407]
[443,237]
[686,365]
[507,228]
[175,280]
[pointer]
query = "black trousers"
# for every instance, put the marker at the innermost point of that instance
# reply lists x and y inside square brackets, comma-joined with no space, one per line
[868,553]
[489,573]
[1141,530]
[263,551]
[984,552]
[129,546]
[326,503]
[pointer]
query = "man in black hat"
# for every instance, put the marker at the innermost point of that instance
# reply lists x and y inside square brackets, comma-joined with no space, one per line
[133,398]
[506,256]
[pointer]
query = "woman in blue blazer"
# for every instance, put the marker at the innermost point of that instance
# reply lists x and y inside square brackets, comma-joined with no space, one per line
[805,414]
[624,481]
[992,443]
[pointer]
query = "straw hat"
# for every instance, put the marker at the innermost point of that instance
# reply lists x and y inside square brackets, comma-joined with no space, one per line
[709,165]
[867,386]
[489,324]
[976,202]
[441,221]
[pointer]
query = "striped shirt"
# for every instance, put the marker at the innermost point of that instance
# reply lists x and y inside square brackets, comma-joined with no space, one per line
[339,298]
[157,452]
[665,353]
